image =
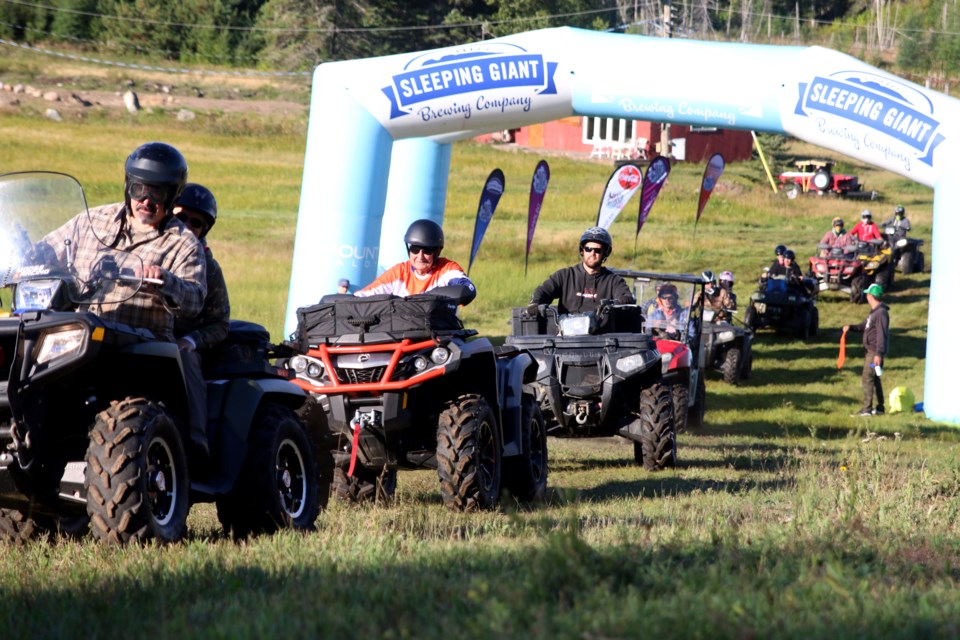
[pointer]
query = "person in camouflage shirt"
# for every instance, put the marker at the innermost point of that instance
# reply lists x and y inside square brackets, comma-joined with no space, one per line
[197,208]
[141,225]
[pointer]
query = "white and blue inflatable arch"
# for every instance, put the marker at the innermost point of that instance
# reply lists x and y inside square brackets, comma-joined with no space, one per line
[378,141]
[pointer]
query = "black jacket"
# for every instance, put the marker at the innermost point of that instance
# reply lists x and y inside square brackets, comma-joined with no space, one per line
[576,291]
[876,330]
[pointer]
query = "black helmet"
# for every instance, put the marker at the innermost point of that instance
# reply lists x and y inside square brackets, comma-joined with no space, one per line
[198,198]
[899,211]
[779,250]
[600,236]
[790,254]
[157,164]
[425,233]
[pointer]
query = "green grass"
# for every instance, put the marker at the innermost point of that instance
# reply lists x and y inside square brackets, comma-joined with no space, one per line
[784,518]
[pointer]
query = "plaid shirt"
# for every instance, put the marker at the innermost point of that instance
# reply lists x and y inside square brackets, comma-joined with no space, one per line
[212,324]
[170,246]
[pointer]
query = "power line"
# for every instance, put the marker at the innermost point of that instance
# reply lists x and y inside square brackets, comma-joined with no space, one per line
[143,67]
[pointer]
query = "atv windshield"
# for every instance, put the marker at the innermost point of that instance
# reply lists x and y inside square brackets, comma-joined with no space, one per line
[666,308]
[41,271]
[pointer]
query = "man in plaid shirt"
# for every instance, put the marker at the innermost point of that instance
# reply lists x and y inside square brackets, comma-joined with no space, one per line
[142,225]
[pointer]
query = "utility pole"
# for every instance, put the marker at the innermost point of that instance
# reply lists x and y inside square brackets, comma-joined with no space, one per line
[667,33]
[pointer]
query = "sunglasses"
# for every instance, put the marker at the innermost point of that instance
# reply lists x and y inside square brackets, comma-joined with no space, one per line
[196,223]
[592,249]
[427,251]
[157,193]
[667,296]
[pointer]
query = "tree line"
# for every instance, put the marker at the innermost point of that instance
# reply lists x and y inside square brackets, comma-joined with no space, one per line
[923,36]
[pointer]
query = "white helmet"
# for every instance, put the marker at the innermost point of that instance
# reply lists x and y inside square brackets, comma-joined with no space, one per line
[726,276]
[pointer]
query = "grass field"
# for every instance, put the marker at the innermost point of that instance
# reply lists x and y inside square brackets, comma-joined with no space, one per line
[784,518]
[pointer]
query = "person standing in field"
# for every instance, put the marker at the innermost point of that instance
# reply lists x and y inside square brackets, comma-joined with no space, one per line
[876,337]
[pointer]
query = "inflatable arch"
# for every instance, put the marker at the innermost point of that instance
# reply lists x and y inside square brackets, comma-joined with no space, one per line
[378,140]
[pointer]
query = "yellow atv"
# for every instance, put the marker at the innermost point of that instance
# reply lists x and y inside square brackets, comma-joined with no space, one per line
[878,267]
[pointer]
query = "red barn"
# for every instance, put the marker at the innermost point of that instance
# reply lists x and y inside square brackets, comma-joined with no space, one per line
[620,139]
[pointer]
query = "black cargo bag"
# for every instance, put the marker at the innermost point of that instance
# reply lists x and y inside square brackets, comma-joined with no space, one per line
[341,315]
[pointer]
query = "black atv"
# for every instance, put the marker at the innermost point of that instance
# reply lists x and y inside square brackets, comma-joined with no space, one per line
[93,413]
[600,375]
[405,387]
[782,305]
[907,254]
[728,347]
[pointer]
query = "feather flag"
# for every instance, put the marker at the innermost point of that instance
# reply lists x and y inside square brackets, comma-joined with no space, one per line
[489,198]
[711,174]
[656,176]
[538,189]
[622,184]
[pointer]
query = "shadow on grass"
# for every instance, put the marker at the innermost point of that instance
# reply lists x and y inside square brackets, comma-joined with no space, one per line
[659,486]
[553,589]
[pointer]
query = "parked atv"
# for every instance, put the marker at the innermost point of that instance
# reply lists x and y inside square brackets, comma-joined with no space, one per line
[679,343]
[93,413]
[907,255]
[600,375]
[780,305]
[728,347]
[406,388]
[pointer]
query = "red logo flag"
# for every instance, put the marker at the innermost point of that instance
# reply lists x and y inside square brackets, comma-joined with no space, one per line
[710,176]
[538,189]
[622,184]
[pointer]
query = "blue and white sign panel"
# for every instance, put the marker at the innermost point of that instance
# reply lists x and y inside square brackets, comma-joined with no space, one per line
[471,88]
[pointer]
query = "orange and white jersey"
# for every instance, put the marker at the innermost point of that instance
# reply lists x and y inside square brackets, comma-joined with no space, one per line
[402,280]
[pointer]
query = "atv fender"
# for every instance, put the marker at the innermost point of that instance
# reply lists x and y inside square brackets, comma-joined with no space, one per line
[514,368]
[231,405]
[160,371]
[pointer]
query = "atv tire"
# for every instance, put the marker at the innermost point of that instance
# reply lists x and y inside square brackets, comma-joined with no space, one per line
[525,476]
[18,528]
[856,290]
[680,395]
[746,369]
[136,477]
[699,408]
[278,486]
[803,323]
[731,366]
[468,455]
[750,317]
[365,485]
[907,262]
[657,449]
[814,322]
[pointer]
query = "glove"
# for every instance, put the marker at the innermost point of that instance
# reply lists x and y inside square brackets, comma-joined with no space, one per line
[532,310]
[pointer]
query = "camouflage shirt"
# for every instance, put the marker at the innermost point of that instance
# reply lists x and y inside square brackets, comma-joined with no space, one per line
[171,246]
[211,325]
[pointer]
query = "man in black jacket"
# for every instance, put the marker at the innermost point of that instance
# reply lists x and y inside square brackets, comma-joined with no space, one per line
[876,336]
[580,288]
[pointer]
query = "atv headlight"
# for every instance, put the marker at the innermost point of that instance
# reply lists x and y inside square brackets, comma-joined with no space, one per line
[420,363]
[902,242]
[873,264]
[36,294]
[314,370]
[629,364]
[440,355]
[821,267]
[575,325]
[725,336]
[298,364]
[666,358]
[61,343]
